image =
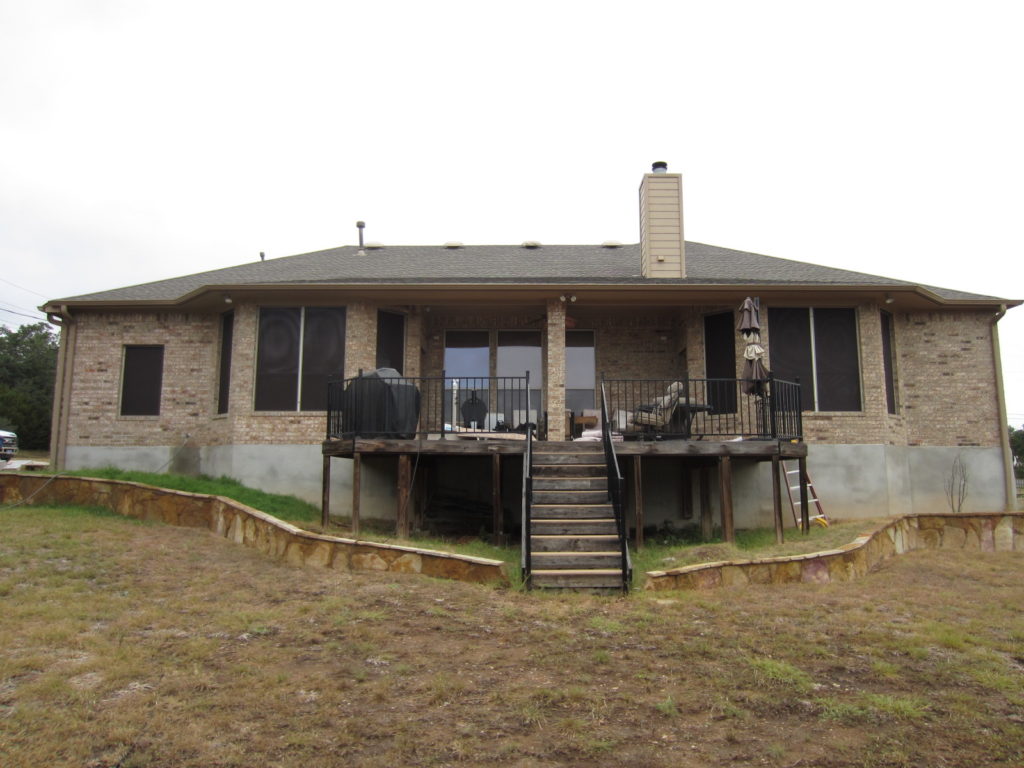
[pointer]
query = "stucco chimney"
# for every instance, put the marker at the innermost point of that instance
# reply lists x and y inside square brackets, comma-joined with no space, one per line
[662,248]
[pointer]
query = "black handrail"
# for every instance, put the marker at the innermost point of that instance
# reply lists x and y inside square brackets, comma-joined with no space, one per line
[615,490]
[693,409]
[527,512]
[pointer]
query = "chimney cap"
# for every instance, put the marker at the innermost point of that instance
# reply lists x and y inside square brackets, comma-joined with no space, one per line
[659,167]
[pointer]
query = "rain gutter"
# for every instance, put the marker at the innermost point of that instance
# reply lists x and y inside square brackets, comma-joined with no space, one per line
[1010,487]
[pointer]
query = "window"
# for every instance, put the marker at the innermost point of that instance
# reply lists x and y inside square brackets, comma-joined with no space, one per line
[519,354]
[579,371]
[141,380]
[227,332]
[390,340]
[888,362]
[467,359]
[818,346]
[720,362]
[298,349]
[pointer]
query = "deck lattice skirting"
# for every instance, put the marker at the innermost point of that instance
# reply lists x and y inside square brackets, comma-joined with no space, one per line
[247,526]
[986,532]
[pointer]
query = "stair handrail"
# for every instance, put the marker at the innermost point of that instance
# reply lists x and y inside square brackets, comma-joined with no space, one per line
[527,502]
[615,489]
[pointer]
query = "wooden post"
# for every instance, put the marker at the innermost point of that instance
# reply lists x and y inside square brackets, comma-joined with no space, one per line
[496,505]
[686,490]
[404,482]
[357,473]
[638,501]
[725,489]
[707,522]
[777,501]
[805,519]
[325,496]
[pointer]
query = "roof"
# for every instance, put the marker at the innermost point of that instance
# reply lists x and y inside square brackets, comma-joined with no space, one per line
[566,265]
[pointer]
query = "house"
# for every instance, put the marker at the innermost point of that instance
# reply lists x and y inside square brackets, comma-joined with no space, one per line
[226,372]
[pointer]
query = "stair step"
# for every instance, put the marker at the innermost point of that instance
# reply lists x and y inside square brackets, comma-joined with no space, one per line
[601,578]
[571,511]
[576,560]
[564,458]
[570,497]
[568,470]
[570,484]
[586,527]
[574,542]
[567,446]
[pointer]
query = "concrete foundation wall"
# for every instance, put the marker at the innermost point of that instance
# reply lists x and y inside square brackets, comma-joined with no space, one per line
[853,481]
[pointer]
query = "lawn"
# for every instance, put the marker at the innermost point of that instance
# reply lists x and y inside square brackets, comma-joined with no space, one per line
[130,644]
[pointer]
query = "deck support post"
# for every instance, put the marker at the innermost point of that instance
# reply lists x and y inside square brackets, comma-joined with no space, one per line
[725,489]
[404,496]
[707,522]
[638,500]
[325,495]
[357,476]
[496,505]
[805,520]
[777,501]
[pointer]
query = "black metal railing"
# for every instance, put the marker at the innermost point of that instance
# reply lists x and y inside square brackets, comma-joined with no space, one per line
[693,409]
[369,405]
[615,490]
[526,549]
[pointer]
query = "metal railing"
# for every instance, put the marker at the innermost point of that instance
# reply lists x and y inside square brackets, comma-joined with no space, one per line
[405,407]
[526,549]
[693,409]
[615,491]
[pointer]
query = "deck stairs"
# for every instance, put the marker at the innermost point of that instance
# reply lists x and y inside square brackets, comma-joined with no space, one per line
[574,541]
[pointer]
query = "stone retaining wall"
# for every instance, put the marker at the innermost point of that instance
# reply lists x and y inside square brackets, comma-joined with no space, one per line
[995,532]
[245,525]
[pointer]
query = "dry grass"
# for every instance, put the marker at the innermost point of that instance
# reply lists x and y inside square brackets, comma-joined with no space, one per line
[124,644]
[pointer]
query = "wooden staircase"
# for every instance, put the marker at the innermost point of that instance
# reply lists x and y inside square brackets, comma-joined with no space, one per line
[574,541]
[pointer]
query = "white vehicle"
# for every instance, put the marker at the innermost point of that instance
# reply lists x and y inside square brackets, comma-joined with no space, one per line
[8,445]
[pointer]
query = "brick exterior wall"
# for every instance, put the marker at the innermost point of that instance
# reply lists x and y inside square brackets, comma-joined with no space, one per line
[944,370]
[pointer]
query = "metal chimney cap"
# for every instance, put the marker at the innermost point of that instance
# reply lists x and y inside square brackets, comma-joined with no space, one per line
[659,167]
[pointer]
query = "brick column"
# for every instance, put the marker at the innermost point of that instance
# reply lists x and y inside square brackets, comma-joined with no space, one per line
[360,338]
[413,342]
[554,367]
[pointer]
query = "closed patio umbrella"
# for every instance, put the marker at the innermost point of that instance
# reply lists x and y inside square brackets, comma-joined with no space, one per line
[755,374]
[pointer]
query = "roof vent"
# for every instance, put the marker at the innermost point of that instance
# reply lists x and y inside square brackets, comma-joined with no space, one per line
[659,167]
[373,245]
[452,244]
[611,244]
[531,244]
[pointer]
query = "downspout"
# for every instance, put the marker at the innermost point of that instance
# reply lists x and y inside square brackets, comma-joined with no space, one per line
[1004,430]
[62,385]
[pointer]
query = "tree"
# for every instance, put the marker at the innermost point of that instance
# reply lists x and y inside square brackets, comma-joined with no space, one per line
[28,365]
[1017,448]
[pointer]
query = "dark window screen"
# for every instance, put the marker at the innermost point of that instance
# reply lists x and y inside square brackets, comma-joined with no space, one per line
[720,361]
[227,332]
[887,362]
[789,339]
[142,379]
[579,370]
[390,340]
[323,354]
[835,352]
[277,359]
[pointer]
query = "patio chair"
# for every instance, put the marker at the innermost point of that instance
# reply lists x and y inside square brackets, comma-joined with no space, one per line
[656,417]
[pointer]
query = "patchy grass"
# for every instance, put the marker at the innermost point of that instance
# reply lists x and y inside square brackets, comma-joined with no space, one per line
[133,644]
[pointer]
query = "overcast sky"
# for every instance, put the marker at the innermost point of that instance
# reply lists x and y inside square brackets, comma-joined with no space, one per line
[144,139]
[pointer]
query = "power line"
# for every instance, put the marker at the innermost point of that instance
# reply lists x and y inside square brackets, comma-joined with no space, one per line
[13,312]
[37,293]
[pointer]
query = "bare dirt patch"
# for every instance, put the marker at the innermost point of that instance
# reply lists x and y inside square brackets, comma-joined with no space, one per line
[124,644]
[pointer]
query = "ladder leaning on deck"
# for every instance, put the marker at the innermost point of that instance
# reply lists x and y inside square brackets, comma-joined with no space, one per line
[793,487]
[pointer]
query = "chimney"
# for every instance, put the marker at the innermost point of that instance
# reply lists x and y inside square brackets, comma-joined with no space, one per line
[662,248]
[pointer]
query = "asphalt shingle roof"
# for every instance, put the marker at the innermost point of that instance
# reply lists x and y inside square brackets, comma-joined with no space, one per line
[477,264]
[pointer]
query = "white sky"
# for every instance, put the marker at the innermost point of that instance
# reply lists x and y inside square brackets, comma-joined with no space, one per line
[145,139]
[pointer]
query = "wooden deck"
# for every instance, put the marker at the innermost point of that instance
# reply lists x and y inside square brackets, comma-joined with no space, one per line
[700,455]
